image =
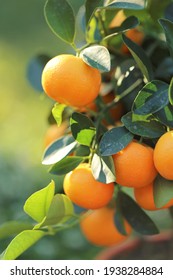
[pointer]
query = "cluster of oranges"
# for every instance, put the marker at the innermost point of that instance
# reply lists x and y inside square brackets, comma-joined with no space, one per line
[69,80]
[137,166]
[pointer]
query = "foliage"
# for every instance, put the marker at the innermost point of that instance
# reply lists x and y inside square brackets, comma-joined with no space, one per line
[141,79]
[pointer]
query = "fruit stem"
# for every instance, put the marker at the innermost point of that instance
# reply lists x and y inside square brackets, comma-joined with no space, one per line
[92,149]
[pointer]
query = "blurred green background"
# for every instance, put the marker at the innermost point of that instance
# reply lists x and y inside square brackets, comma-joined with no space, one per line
[23,123]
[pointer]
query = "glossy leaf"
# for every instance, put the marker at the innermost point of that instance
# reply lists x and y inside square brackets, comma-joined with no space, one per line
[128,23]
[13,227]
[60,18]
[152,98]
[114,141]
[57,112]
[21,243]
[127,4]
[35,69]
[65,165]
[140,57]
[82,151]
[119,219]
[165,115]
[82,129]
[91,7]
[135,216]
[147,127]
[61,209]
[167,26]
[59,149]
[103,169]
[97,57]
[93,33]
[170,92]
[37,205]
[165,69]
[163,191]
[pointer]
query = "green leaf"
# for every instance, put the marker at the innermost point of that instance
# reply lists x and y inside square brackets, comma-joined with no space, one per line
[61,209]
[82,151]
[82,129]
[60,18]
[35,69]
[57,112]
[151,98]
[170,92]
[128,23]
[91,7]
[135,216]
[119,219]
[114,141]
[58,150]
[163,191]
[161,8]
[93,33]
[165,115]
[37,205]
[164,70]
[167,26]
[66,165]
[103,169]
[21,243]
[13,227]
[147,127]
[127,4]
[97,57]
[140,57]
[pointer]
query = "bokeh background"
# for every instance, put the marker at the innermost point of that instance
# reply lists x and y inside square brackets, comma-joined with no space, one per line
[23,123]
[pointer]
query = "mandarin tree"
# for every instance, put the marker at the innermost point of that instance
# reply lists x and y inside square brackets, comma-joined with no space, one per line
[114,164]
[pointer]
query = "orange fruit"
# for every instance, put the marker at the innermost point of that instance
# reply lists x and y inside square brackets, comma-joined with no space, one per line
[136,36]
[98,227]
[54,132]
[82,188]
[134,165]
[145,198]
[163,155]
[69,80]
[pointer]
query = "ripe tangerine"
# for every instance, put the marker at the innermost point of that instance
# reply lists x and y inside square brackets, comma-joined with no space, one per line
[98,227]
[69,80]
[82,188]
[163,155]
[134,165]
[145,198]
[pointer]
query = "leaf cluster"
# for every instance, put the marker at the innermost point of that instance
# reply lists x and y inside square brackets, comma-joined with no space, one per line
[141,80]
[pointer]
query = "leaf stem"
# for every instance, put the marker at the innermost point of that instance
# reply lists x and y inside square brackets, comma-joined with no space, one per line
[100,18]
[66,226]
